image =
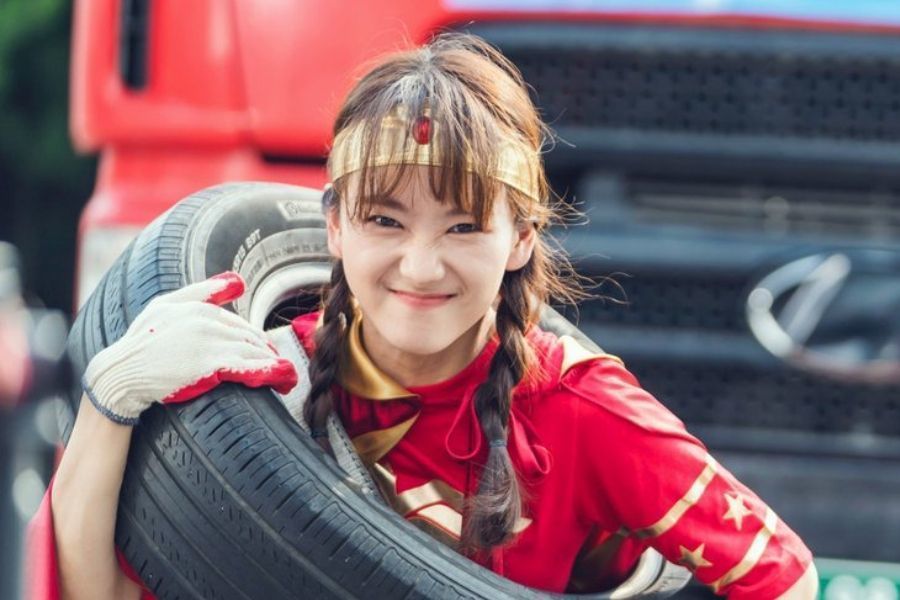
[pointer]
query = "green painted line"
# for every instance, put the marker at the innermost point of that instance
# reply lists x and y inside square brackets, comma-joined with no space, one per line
[841,579]
[860,568]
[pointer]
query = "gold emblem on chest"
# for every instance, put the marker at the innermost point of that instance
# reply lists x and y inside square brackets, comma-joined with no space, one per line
[435,507]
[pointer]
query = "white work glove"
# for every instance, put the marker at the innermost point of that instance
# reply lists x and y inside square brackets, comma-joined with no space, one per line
[182,345]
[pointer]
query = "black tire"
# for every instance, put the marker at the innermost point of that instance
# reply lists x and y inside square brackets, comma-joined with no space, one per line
[225,496]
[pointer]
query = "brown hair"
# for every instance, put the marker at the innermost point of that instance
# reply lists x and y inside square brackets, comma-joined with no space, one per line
[478,98]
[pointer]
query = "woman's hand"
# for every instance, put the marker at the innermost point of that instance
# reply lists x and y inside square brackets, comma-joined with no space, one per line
[182,345]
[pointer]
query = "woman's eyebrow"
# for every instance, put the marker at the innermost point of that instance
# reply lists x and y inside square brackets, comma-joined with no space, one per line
[395,204]
[457,212]
[390,203]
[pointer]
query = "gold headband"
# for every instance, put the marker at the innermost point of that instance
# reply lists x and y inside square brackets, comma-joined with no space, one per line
[518,165]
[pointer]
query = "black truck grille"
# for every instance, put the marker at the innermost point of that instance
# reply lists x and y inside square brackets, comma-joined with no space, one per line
[660,300]
[713,81]
[743,397]
[872,214]
[705,158]
[715,388]
[774,137]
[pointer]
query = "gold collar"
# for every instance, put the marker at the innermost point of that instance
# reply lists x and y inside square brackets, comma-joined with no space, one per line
[360,376]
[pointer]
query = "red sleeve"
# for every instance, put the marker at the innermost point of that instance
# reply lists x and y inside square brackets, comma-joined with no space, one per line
[659,484]
[41,573]
[41,565]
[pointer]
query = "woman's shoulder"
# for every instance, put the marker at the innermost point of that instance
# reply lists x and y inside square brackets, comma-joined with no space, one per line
[561,358]
[599,387]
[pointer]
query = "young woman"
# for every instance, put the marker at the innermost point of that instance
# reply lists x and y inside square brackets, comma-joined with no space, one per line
[543,462]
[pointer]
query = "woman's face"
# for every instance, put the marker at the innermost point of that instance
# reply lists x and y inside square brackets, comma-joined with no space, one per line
[423,273]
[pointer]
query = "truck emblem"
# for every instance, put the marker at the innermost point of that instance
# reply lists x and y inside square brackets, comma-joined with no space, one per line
[834,314]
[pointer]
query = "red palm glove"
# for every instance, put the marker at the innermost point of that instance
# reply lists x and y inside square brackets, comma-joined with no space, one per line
[181,346]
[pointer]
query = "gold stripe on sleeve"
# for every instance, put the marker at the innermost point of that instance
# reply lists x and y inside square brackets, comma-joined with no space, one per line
[444,517]
[359,375]
[671,518]
[433,492]
[754,553]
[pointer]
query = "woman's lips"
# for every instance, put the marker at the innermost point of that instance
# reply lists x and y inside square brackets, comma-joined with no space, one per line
[422,300]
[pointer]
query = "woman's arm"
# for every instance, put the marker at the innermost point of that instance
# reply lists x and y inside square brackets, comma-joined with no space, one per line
[84,500]
[647,476]
[806,588]
[181,346]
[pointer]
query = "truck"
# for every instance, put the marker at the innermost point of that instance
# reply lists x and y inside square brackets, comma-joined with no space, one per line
[737,162]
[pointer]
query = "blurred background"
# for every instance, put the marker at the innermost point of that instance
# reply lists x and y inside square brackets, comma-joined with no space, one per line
[44,185]
[737,161]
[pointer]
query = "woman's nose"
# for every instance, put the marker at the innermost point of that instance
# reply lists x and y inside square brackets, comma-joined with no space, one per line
[421,263]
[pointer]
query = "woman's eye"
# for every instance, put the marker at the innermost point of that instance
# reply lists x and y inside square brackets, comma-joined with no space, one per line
[465,228]
[382,221]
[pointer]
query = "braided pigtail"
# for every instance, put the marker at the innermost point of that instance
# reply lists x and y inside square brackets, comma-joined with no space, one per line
[494,511]
[323,368]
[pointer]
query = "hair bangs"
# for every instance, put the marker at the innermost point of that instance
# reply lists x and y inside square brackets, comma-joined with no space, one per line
[461,165]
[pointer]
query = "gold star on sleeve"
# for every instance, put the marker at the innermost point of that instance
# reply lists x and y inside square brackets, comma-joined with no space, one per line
[736,510]
[693,559]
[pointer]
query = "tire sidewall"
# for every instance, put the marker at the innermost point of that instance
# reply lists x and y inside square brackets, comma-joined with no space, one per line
[263,232]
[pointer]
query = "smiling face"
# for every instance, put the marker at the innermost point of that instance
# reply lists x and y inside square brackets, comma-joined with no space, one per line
[424,274]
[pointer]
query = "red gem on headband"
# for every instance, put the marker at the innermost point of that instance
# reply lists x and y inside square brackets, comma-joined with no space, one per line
[422,130]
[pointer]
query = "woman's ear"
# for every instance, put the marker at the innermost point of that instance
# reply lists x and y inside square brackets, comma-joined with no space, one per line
[524,247]
[333,229]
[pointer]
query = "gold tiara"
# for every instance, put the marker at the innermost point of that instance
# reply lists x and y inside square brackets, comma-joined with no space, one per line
[518,165]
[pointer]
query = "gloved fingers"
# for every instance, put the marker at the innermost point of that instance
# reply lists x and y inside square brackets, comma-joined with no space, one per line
[215,323]
[278,332]
[193,389]
[233,356]
[274,335]
[238,324]
[237,353]
[219,289]
[278,373]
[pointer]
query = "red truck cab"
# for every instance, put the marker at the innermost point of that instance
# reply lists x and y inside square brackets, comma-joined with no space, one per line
[177,96]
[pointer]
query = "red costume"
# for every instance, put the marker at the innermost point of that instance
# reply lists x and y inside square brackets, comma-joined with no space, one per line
[607,470]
